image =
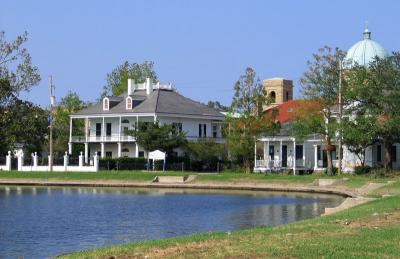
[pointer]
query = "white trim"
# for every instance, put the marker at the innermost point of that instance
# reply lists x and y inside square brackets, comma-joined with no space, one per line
[126,106]
[97,115]
[108,104]
[112,115]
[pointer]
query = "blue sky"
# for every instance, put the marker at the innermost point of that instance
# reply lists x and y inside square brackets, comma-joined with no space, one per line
[200,46]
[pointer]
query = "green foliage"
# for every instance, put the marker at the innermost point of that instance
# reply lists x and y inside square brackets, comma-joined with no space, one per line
[242,130]
[320,84]
[206,154]
[152,136]
[362,170]
[24,123]
[122,163]
[376,92]
[117,80]
[69,104]
[16,70]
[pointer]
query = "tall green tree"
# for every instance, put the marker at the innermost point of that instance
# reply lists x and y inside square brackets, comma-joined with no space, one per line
[16,70]
[152,136]
[117,80]
[246,120]
[320,84]
[22,123]
[69,104]
[374,90]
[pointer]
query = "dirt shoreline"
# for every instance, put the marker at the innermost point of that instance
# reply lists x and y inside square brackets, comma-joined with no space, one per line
[206,185]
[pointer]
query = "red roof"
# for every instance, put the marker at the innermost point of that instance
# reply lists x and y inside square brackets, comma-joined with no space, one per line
[286,110]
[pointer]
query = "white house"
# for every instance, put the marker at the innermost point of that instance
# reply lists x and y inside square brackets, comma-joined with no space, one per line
[106,122]
[283,152]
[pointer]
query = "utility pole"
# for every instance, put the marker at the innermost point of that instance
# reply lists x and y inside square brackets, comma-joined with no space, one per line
[340,118]
[51,125]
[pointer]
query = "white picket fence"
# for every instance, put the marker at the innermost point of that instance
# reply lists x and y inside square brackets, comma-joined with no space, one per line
[55,168]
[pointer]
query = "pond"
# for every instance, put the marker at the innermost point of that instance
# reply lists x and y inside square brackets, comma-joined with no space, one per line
[39,222]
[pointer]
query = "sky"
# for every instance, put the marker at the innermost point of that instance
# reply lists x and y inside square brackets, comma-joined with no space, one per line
[202,47]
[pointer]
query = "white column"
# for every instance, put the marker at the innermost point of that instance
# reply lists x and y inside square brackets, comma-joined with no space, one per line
[137,150]
[35,160]
[255,153]
[119,129]
[280,153]
[86,128]
[66,161]
[315,157]
[20,160]
[70,148]
[86,153]
[81,159]
[119,149]
[70,129]
[102,150]
[103,132]
[304,154]
[96,162]
[8,161]
[294,156]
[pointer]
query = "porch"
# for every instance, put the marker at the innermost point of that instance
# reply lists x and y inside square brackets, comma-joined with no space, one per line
[277,154]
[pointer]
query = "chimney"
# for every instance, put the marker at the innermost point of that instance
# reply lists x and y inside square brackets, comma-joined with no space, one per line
[149,86]
[131,86]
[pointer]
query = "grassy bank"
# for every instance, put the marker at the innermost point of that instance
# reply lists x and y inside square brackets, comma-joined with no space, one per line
[369,231]
[350,182]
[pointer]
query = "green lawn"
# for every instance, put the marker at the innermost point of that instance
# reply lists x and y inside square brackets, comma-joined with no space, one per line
[352,181]
[368,231]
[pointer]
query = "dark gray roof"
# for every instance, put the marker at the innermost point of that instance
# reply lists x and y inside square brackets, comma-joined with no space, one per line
[159,102]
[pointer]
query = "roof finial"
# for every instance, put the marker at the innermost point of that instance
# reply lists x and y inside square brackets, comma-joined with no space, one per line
[366,33]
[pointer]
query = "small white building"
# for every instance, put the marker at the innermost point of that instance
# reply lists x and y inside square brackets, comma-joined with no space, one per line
[106,122]
[283,152]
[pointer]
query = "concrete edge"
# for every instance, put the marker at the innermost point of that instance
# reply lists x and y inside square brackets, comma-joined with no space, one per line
[208,186]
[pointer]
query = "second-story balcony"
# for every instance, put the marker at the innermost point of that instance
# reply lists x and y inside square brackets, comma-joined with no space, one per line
[107,138]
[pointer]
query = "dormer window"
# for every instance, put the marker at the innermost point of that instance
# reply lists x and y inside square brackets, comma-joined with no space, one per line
[129,103]
[106,104]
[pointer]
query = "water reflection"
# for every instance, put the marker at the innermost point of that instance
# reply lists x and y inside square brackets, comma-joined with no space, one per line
[37,222]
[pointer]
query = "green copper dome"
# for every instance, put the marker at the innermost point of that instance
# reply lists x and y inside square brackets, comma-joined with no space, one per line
[364,51]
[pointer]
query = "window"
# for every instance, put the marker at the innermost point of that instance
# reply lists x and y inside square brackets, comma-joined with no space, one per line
[141,153]
[125,150]
[319,157]
[177,126]
[108,154]
[393,152]
[125,121]
[379,153]
[272,96]
[106,104]
[98,129]
[271,152]
[108,129]
[287,95]
[214,131]
[299,152]
[129,103]
[125,131]
[202,130]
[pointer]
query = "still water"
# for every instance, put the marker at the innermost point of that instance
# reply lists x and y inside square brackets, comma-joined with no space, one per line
[39,222]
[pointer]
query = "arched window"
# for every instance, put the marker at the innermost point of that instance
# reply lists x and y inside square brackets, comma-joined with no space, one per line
[125,150]
[129,103]
[106,104]
[125,121]
[272,96]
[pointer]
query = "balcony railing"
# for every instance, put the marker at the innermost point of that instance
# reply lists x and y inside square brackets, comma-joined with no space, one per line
[109,138]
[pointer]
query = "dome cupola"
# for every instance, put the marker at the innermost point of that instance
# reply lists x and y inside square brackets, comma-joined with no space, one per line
[364,51]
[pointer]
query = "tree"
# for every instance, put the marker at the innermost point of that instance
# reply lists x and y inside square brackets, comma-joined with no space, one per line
[24,123]
[320,84]
[206,151]
[69,104]
[152,136]
[246,121]
[217,105]
[117,80]
[375,90]
[16,70]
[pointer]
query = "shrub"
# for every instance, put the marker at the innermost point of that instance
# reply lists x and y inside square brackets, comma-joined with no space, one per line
[361,170]
[122,163]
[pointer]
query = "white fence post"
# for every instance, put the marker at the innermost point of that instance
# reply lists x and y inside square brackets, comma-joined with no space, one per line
[20,160]
[66,160]
[35,160]
[96,162]
[81,160]
[8,161]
